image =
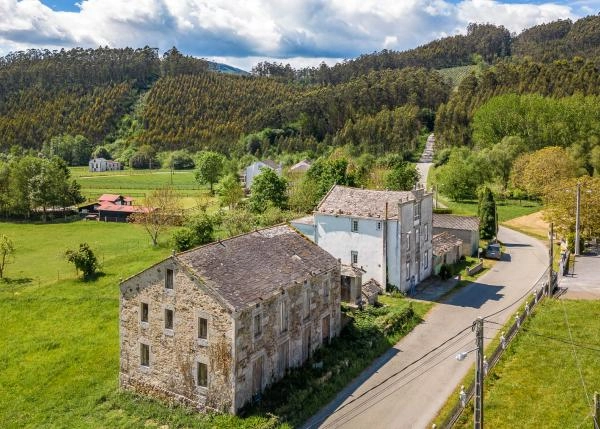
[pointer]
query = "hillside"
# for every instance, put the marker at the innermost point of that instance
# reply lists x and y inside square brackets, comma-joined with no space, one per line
[136,97]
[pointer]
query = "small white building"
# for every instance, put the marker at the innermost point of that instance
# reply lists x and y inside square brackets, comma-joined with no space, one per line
[386,233]
[101,164]
[253,170]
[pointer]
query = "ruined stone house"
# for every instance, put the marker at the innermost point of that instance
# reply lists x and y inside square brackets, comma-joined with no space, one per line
[213,326]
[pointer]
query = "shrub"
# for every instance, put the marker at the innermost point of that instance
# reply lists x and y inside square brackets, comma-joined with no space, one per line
[445,272]
[84,260]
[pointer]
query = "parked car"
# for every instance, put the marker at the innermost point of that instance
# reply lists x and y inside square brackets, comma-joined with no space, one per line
[493,251]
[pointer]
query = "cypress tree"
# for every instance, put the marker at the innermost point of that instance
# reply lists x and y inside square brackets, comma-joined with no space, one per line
[487,213]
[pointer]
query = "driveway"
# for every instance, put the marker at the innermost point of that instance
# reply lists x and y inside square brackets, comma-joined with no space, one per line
[387,395]
[583,280]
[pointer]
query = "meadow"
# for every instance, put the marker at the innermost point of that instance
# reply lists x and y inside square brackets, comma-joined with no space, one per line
[537,382]
[507,209]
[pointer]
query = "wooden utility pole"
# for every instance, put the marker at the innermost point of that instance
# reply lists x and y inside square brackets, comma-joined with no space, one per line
[551,254]
[479,374]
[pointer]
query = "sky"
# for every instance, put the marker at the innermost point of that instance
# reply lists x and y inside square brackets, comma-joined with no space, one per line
[243,32]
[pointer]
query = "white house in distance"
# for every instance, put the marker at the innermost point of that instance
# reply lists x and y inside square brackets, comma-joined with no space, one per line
[386,233]
[101,164]
[249,173]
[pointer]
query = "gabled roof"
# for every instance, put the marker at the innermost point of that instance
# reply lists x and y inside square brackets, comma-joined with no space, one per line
[343,200]
[303,165]
[271,164]
[371,288]
[444,242]
[448,221]
[245,269]
[107,206]
[110,197]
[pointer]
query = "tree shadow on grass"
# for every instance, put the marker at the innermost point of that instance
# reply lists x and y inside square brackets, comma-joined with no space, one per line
[94,277]
[16,282]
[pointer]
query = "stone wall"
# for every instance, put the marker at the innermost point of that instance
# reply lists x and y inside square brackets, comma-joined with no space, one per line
[267,347]
[174,354]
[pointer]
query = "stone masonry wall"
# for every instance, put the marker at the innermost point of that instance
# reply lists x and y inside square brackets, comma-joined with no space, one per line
[174,354]
[324,292]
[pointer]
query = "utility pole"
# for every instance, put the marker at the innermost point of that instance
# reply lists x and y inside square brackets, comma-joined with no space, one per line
[479,374]
[551,253]
[577,220]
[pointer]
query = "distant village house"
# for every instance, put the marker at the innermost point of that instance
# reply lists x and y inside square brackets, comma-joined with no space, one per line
[101,164]
[214,326]
[249,173]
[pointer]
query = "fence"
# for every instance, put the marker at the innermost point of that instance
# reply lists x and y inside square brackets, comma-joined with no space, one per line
[540,289]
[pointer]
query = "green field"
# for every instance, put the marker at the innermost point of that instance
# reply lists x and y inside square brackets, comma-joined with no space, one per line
[507,209]
[60,339]
[537,383]
[456,74]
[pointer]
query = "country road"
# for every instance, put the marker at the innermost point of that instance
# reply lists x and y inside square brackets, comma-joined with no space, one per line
[412,398]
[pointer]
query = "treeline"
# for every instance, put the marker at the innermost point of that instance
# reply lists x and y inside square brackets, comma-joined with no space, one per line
[32,185]
[489,41]
[560,39]
[557,79]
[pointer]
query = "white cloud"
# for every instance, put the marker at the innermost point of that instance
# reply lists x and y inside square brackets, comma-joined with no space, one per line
[245,29]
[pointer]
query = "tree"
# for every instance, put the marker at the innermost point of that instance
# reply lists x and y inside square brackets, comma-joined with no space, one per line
[487,214]
[267,189]
[230,191]
[210,168]
[460,176]
[84,260]
[534,172]
[403,177]
[560,205]
[101,152]
[162,208]
[7,250]
[328,172]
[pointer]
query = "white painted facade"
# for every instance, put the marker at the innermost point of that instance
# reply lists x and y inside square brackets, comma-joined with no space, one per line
[254,170]
[101,164]
[396,251]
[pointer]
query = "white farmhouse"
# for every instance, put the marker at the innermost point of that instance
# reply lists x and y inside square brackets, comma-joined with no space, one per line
[253,170]
[101,164]
[386,233]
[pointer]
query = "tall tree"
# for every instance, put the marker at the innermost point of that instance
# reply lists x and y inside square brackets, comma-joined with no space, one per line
[230,191]
[210,168]
[402,177]
[488,226]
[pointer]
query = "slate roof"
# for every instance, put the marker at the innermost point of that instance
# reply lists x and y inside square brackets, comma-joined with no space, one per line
[372,287]
[351,271]
[246,268]
[306,220]
[343,200]
[444,242]
[448,221]
[303,165]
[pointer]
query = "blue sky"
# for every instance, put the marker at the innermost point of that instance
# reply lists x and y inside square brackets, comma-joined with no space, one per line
[243,32]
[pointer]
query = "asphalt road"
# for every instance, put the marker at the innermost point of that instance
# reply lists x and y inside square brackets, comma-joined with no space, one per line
[383,398]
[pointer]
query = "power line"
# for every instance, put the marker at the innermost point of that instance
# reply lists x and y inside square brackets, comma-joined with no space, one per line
[518,299]
[359,409]
[422,357]
[575,355]
[562,340]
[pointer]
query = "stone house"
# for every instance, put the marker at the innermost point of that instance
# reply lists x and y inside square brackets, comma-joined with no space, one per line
[213,326]
[464,227]
[386,233]
[447,249]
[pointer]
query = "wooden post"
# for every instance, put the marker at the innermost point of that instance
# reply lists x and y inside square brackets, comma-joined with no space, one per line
[478,412]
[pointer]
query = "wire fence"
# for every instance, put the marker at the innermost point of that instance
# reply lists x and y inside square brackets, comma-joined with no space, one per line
[540,288]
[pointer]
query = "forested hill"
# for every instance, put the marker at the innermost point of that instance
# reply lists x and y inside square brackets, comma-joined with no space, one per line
[133,98]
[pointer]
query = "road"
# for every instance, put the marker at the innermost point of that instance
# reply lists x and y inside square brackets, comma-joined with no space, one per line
[426,160]
[412,398]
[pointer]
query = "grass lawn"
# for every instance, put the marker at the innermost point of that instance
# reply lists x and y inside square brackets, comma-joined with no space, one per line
[60,342]
[507,209]
[144,180]
[537,383]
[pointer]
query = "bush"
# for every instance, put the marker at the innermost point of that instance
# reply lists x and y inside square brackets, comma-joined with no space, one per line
[183,239]
[445,272]
[84,260]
